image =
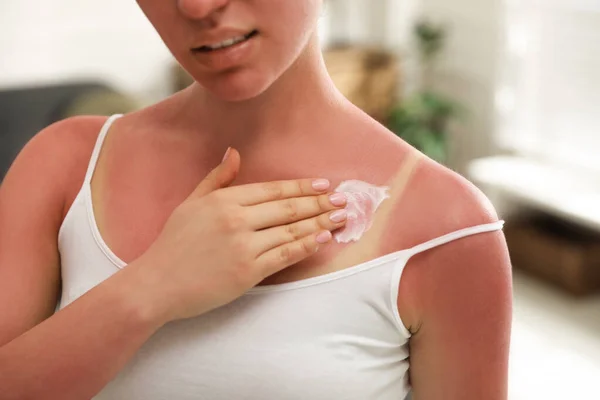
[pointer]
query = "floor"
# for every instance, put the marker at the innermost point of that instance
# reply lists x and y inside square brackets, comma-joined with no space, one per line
[555,348]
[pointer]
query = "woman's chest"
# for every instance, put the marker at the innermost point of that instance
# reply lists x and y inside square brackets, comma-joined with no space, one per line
[130,219]
[134,196]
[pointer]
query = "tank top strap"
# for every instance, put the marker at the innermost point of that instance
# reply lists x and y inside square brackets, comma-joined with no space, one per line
[98,146]
[470,231]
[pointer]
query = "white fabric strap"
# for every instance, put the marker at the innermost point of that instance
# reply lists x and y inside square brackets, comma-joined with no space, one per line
[94,159]
[456,235]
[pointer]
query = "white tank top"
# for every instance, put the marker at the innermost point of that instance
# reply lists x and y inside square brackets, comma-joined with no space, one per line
[335,336]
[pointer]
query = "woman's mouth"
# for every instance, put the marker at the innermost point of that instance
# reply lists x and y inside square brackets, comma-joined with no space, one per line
[228,51]
[226,44]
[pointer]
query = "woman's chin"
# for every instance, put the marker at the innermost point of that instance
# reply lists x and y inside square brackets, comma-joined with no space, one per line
[237,87]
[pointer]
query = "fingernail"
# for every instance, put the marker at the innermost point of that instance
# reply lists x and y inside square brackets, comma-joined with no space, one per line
[321,184]
[226,154]
[324,237]
[339,216]
[338,199]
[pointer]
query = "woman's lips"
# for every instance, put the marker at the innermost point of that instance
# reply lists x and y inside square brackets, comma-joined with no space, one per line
[227,40]
[363,201]
[228,57]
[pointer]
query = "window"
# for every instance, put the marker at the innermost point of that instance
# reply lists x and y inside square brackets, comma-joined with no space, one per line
[548,99]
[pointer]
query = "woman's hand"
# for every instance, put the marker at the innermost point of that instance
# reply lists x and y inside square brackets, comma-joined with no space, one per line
[221,241]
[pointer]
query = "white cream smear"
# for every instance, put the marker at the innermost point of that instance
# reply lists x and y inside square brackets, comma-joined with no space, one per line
[363,201]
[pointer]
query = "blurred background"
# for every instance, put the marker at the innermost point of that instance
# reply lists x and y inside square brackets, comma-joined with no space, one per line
[506,92]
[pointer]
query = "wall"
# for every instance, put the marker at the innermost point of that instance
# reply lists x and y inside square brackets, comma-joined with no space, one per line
[469,70]
[372,22]
[550,83]
[109,40]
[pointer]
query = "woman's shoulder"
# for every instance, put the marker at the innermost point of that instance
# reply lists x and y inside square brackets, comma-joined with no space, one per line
[447,200]
[441,201]
[65,142]
[59,154]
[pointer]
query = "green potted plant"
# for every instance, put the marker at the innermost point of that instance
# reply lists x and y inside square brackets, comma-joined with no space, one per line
[423,119]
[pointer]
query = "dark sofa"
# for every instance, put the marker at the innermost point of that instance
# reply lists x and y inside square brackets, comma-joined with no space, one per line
[25,111]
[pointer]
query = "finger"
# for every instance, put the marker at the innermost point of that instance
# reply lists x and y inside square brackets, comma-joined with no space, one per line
[282,212]
[283,256]
[220,177]
[268,239]
[256,193]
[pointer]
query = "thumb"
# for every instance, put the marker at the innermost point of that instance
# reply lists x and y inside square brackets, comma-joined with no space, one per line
[222,176]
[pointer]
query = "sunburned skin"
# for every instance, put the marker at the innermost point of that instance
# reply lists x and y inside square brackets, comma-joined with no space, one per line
[363,201]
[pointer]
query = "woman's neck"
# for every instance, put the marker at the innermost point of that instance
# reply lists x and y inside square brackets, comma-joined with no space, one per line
[290,107]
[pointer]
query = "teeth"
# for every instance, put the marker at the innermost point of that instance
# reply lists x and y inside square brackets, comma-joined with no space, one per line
[227,43]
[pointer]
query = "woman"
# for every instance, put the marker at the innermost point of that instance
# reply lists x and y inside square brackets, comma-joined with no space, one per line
[226,293]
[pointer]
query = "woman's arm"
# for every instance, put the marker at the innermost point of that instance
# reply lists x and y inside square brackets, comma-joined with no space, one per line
[77,351]
[72,354]
[463,303]
[32,207]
